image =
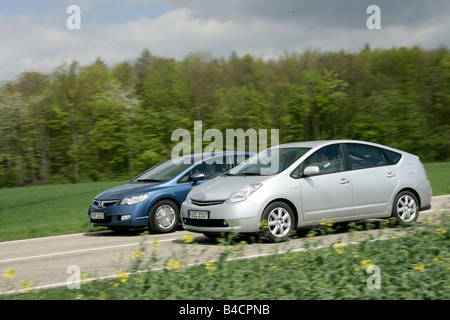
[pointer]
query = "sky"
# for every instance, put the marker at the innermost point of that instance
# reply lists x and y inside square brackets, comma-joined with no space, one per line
[35,36]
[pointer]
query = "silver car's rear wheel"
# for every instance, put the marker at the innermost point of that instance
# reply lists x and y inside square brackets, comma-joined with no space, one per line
[277,221]
[406,209]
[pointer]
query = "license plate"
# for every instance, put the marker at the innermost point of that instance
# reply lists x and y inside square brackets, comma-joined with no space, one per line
[97,215]
[198,214]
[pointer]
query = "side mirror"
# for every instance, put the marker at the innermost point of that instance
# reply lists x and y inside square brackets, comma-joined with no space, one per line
[196,177]
[311,171]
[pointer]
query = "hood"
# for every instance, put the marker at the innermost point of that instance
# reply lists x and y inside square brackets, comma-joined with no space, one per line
[127,190]
[222,187]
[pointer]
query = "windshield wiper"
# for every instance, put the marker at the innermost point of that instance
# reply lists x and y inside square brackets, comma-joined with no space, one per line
[148,180]
[243,174]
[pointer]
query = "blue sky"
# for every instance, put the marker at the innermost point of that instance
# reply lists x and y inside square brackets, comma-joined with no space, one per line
[34,35]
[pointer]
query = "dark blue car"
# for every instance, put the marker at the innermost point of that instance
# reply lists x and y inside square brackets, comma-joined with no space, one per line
[154,197]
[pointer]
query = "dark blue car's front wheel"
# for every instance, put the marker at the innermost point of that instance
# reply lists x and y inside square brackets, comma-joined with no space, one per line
[164,217]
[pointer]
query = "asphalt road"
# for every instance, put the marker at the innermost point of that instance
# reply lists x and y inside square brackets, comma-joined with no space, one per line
[51,261]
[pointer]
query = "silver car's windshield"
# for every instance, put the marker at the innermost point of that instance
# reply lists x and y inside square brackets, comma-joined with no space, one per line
[162,172]
[268,162]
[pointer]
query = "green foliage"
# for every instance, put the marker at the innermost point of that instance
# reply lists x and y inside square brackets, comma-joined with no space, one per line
[96,123]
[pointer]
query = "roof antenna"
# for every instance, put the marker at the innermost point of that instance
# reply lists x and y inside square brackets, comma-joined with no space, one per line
[355,130]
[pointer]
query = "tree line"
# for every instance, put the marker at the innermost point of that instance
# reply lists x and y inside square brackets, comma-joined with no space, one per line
[99,122]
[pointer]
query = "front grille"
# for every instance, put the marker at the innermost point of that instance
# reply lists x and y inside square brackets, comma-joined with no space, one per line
[104,203]
[213,223]
[203,203]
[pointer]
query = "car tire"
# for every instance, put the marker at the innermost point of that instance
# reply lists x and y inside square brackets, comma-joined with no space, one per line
[277,222]
[164,217]
[405,208]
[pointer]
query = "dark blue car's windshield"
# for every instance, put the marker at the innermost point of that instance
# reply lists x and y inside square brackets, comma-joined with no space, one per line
[162,172]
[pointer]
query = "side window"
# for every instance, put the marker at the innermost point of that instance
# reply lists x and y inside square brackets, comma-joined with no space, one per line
[363,156]
[391,156]
[213,169]
[329,159]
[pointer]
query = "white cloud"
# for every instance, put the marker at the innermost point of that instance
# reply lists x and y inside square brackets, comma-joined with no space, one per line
[43,42]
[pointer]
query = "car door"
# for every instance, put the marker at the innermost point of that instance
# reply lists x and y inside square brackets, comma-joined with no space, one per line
[328,194]
[374,180]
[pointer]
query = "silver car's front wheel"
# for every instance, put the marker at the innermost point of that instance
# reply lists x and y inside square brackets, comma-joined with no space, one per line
[277,221]
[406,209]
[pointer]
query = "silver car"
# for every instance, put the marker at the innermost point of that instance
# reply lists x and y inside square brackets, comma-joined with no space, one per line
[299,184]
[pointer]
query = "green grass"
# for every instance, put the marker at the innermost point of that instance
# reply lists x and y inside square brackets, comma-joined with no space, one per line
[61,209]
[439,175]
[39,211]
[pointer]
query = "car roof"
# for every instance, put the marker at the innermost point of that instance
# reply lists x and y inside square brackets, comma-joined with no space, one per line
[320,143]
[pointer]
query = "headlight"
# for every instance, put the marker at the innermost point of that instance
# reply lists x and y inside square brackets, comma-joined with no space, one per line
[244,192]
[133,200]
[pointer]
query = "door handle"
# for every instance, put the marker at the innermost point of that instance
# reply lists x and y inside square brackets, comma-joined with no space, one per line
[391,175]
[344,181]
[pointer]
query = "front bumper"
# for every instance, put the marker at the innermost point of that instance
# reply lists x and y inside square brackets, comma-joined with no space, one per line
[120,216]
[241,217]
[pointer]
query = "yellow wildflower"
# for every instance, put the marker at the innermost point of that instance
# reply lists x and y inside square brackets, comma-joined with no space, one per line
[155,244]
[419,267]
[366,263]
[26,285]
[84,276]
[188,238]
[441,231]
[10,274]
[210,266]
[123,276]
[174,265]
[137,254]
[338,248]
[102,296]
